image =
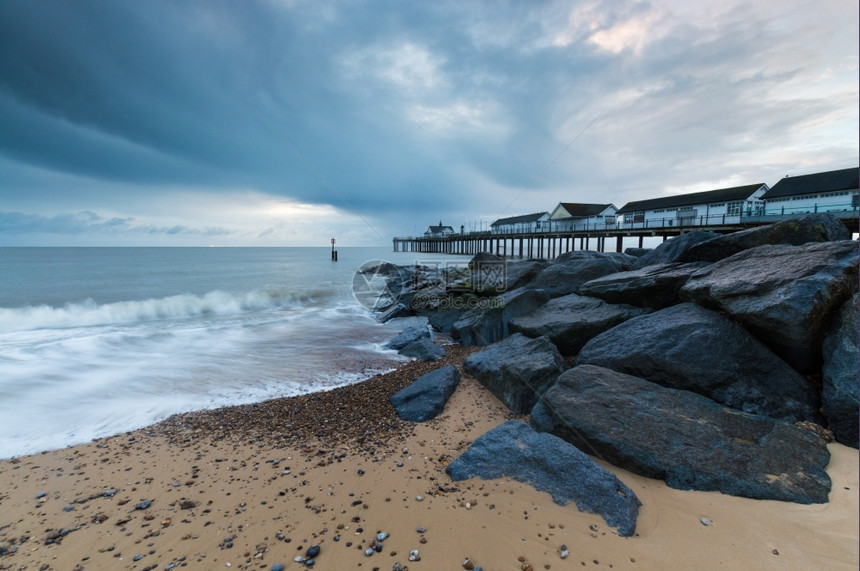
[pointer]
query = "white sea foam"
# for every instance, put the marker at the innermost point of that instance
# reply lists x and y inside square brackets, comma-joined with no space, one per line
[73,370]
[89,313]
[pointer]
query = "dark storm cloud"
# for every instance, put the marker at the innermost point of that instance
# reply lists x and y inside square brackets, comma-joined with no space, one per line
[449,107]
[158,92]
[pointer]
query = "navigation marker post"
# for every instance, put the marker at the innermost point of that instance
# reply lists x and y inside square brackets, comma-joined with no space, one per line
[333,251]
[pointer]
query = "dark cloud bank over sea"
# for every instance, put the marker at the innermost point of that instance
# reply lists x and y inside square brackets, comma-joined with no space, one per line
[154,116]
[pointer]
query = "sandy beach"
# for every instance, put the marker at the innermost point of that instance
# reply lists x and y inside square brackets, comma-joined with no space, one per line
[255,486]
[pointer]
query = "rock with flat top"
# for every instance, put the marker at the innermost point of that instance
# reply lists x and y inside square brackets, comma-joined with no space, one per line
[407,336]
[784,295]
[655,286]
[571,320]
[572,269]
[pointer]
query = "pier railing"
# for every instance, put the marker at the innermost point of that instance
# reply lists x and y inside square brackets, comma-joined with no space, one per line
[552,238]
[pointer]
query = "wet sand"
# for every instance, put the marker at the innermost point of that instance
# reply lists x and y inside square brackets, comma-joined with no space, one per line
[253,486]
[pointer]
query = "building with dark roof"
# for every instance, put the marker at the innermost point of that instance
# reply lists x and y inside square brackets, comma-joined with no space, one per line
[581,216]
[519,224]
[831,191]
[438,231]
[721,206]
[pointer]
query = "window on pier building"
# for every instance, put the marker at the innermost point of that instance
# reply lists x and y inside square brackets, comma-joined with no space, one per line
[734,208]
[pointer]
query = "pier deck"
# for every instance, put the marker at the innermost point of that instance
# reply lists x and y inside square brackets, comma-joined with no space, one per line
[549,244]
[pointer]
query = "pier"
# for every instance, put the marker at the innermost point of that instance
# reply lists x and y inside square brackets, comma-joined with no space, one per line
[549,243]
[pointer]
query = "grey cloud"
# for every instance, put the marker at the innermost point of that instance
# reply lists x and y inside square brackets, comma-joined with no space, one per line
[443,107]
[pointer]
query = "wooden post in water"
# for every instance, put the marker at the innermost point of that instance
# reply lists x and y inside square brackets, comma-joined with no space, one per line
[333,251]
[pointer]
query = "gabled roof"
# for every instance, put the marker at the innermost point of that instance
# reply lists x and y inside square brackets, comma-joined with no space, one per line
[707,197]
[844,179]
[521,219]
[579,210]
[439,229]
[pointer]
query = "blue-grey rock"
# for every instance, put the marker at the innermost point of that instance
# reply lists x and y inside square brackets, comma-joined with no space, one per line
[839,393]
[423,350]
[521,272]
[684,438]
[442,312]
[488,321]
[571,320]
[692,348]
[794,231]
[489,274]
[655,286]
[551,465]
[426,396]
[407,336]
[517,370]
[572,269]
[674,249]
[312,551]
[483,275]
[784,295]
[398,309]
[637,252]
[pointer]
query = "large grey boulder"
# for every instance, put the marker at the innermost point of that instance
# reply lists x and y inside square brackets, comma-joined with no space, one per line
[485,258]
[409,335]
[426,396]
[654,286]
[794,231]
[784,295]
[689,347]
[400,288]
[517,370]
[674,249]
[521,272]
[549,464]
[487,321]
[688,440]
[572,269]
[571,320]
[839,393]
[489,274]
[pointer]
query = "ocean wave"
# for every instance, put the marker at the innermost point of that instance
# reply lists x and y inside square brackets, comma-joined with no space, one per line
[215,303]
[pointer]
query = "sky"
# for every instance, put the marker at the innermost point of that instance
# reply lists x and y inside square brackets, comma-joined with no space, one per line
[289,122]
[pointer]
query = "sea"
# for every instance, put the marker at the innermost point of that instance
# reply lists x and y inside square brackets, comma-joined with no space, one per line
[99,341]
